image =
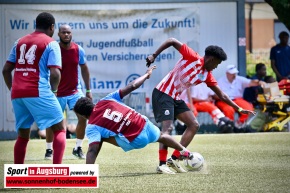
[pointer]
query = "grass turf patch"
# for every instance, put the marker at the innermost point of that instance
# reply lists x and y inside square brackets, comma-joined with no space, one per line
[257,162]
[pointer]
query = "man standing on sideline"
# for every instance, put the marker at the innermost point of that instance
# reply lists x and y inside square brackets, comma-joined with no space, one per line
[36,59]
[280,57]
[69,90]
[191,69]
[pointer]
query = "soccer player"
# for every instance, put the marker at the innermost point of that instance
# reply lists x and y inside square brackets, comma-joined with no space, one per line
[69,90]
[191,69]
[36,61]
[110,120]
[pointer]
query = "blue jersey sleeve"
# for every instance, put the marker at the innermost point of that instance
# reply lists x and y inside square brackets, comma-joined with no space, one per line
[272,53]
[54,54]
[82,56]
[12,55]
[114,95]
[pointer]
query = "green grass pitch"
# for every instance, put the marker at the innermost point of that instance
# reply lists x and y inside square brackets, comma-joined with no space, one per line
[258,162]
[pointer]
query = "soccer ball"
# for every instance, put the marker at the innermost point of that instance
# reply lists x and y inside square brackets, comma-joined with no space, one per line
[195,163]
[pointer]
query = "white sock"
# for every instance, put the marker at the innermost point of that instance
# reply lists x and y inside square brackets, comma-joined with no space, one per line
[78,143]
[49,145]
[183,150]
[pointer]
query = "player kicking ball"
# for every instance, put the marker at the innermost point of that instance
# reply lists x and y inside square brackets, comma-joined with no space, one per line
[110,120]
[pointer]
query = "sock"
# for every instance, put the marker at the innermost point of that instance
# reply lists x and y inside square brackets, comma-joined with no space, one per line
[175,154]
[78,143]
[49,145]
[20,150]
[162,156]
[59,141]
[183,151]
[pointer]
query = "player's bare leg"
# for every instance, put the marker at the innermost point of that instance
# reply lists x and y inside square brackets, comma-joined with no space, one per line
[80,134]
[192,127]
[167,127]
[49,141]
[169,141]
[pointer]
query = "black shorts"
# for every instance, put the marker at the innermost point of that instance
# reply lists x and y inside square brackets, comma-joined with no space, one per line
[165,107]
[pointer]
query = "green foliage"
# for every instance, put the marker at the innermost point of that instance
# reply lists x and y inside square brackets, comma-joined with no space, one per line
[282,10]
[258,56]
[257,162]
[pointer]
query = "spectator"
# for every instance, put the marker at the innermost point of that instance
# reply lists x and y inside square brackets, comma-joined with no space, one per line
[199,99]
[261,71]
[234,85]
[280,57]
[251,93]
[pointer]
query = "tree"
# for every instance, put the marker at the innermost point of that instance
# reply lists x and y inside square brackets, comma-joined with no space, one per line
[282,10]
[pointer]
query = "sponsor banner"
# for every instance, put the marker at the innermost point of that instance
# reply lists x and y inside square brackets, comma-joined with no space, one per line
[117,45]
[118,37]
[117,42]
[51,176]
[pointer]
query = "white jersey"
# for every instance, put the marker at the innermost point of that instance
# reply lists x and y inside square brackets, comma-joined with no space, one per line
[200,92]
[236,88]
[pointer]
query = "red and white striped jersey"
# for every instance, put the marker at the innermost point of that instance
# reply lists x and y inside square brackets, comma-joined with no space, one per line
[188,71]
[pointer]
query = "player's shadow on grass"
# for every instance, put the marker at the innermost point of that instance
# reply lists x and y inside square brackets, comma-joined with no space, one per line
[128,175]
[285,155]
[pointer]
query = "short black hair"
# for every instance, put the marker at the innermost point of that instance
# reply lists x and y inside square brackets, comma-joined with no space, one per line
[216,52]
[259,66]
[44,20]
[283,33]
[84,106]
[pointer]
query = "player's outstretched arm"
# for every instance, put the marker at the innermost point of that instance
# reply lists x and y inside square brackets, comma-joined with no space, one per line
[86,77]
[168,43]
[227,100]
[137,82]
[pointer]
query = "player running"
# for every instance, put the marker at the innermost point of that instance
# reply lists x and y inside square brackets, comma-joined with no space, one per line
[191,69]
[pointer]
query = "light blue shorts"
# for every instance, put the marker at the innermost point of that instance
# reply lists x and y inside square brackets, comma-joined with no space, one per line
[70,100]
[149,134]
[45,111]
